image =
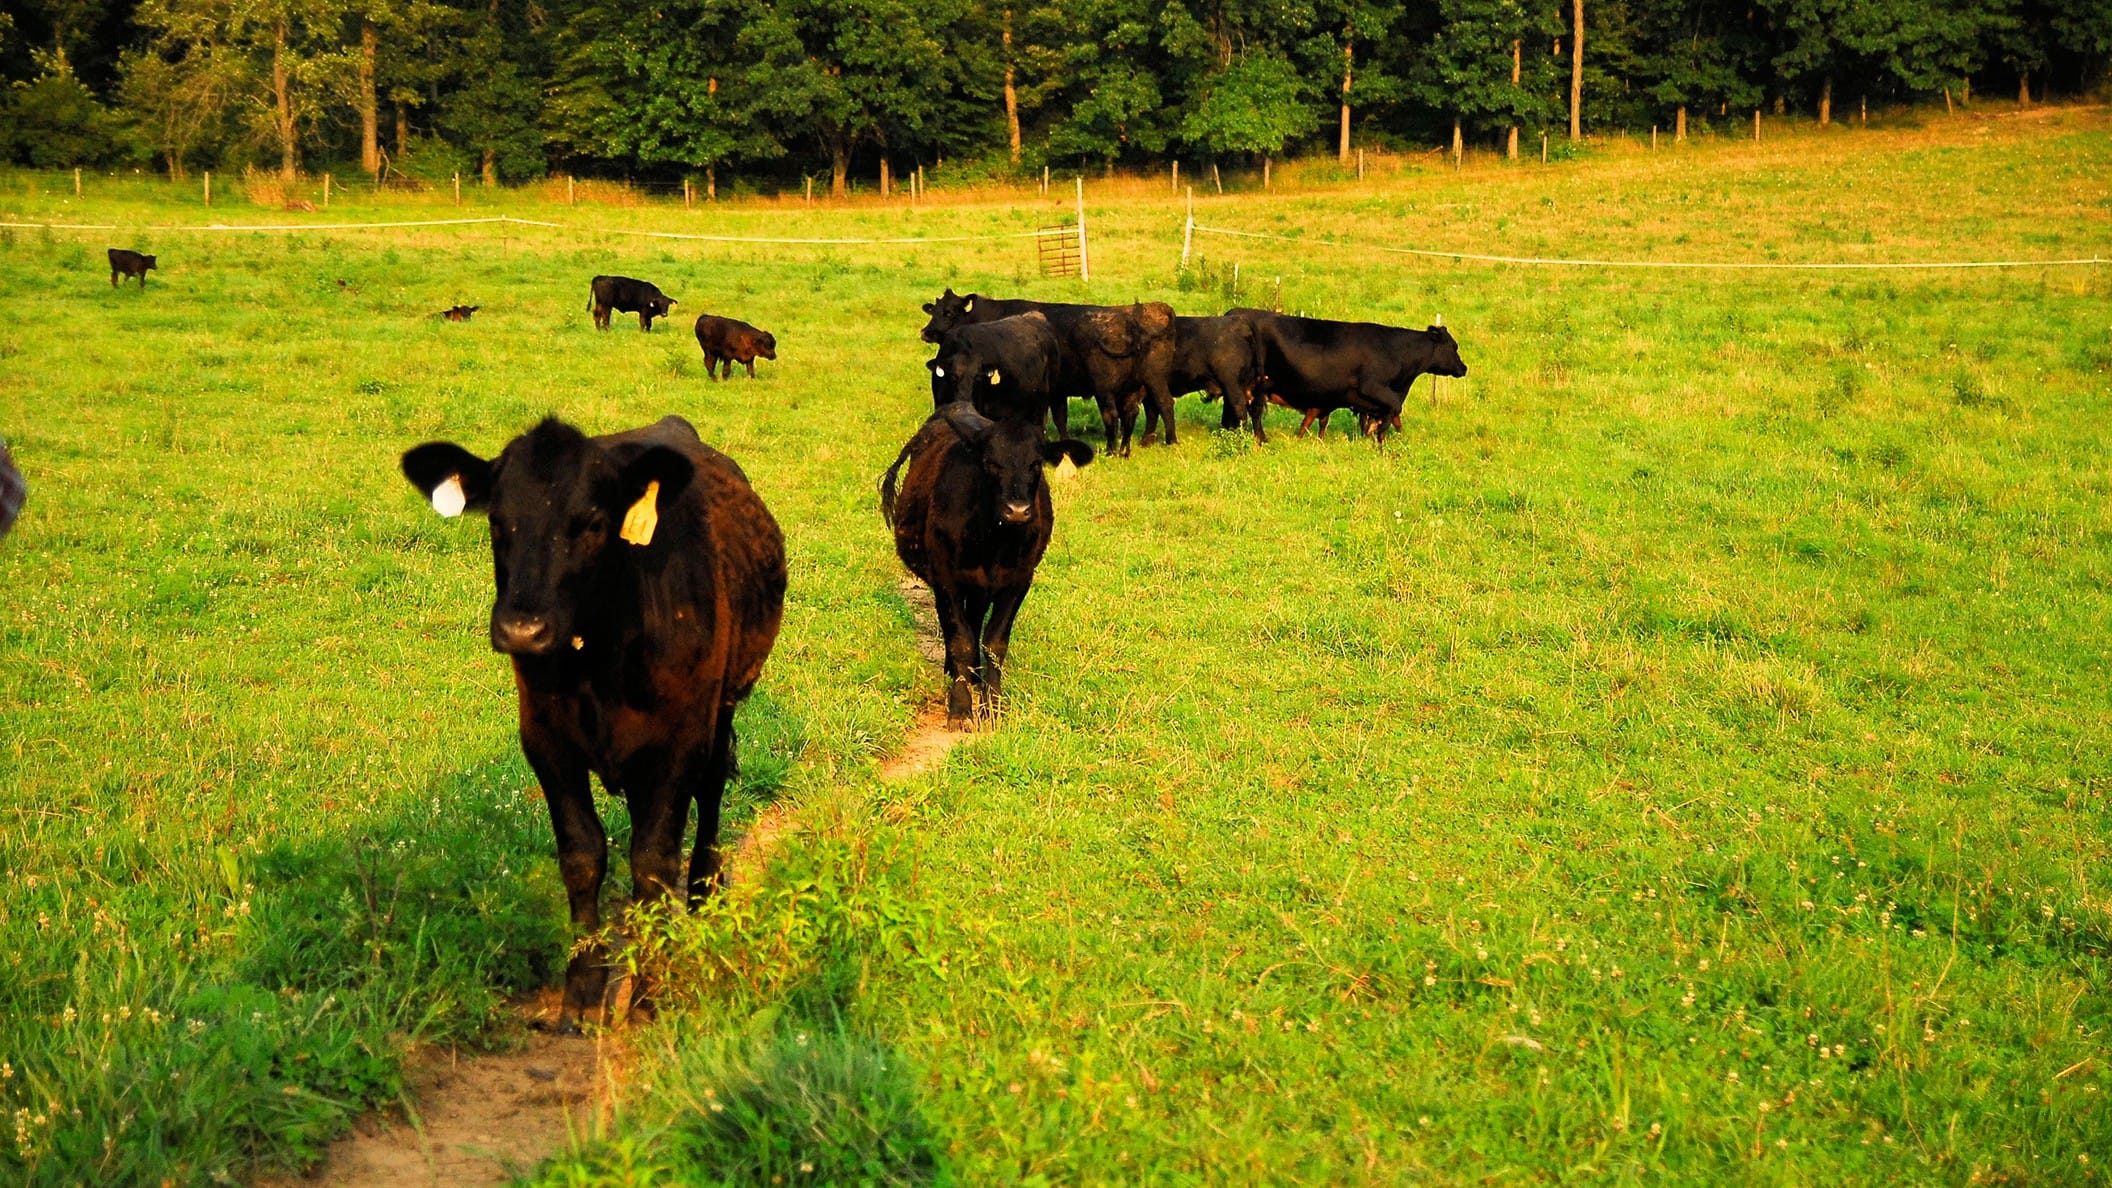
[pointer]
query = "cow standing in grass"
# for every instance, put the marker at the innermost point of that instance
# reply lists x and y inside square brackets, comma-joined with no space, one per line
[124,262]
[625,294]
[1006,368]
[972,519]
[724,340]
[1317,366]
[640,586]
[1222,358]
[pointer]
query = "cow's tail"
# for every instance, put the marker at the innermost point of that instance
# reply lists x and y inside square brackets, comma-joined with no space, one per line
[887,485]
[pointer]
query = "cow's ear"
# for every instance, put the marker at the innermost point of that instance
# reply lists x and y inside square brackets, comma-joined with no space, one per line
[971,425]
[649,482]
[1054,452]
[931,307]
[449,476]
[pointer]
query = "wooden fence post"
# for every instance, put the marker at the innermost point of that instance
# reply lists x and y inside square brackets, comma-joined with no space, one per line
[1216,179]
[208,187]
[1176,175]
[568,189]
[1756,125]
[1360,164]
[1543,147]
[1264,171]
[76,181]
[1085,269]
[458,189]
[810,189]
[326,190]
[685,194]
[1653,138]
[1188,232]
[1044,181]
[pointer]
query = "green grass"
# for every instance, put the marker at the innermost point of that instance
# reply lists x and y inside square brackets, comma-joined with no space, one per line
[1680,754]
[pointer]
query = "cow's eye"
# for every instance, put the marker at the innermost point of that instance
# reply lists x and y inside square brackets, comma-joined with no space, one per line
[586,525]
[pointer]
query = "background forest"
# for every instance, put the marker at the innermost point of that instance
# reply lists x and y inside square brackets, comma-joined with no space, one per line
[514,89]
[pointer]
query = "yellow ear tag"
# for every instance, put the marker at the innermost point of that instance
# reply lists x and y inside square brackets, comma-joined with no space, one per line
[644,516]
[995,378]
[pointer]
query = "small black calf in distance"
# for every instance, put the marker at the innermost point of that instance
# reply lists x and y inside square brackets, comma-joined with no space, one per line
[1222,358]
[972,519]
[458,313]
[124,262]
[1316,365]
[724,340]
[640,587]
[1118,356]
[627,295]
[1006,369]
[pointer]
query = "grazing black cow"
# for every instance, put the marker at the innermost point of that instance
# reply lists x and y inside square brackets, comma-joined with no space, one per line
[1006,369]
[1221,357]
[124,263]
[1117,355]
[972,519]
[1317,365]
[458,313]
[727,341]
[626,295]
[640,587]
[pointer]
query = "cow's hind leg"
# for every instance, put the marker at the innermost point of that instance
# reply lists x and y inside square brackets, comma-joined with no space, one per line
[706,872]
[582,861]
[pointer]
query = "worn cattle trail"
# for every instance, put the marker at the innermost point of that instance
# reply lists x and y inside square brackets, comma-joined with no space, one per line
[928,741]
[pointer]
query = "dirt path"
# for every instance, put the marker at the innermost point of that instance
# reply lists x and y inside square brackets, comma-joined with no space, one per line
[928,740]
[492,1117]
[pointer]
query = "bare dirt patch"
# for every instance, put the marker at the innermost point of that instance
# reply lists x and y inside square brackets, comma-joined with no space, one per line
[929,740]
[486,1118]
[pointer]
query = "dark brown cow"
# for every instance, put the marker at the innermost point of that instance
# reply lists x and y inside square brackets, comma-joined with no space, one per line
[972,519]
[726,341]
[124,262]
[640,587]
[458,313]
[625,294]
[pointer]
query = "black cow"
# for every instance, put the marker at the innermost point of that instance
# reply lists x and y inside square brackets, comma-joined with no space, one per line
[972,519]
[1317,365]
[13,491]
[1006,369]
[627,295]
[458,313]
[125,262]
[640,587]
[724,340]
[1221,357]
[1117,355]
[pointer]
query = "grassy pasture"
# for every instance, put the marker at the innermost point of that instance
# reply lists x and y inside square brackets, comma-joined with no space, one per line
[1680,754]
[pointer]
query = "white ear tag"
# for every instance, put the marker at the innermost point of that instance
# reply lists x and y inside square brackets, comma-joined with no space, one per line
[995,377]
[448,499]
[640,522]
[939,371]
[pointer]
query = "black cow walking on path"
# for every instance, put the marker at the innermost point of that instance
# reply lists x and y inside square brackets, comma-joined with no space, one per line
[972,519]
[124,262]
[628,295]
[640,587]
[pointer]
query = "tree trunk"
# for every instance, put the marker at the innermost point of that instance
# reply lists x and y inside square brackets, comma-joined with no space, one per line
[840,165]
[1965,91]
[491,167]
[1458,144]
[1826,102]
[1679,130]
[711,183]
[282,113]
[1517,62]
[369,108]
[403,128]
[1347,54]
[2024,89]
[885,176]
[1011,95]
[1576,75]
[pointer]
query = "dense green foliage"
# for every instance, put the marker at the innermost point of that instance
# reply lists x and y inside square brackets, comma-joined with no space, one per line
[1681,753]
[673,88]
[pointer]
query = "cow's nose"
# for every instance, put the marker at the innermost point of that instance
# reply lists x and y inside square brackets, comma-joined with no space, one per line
[1018,513]
[516,632]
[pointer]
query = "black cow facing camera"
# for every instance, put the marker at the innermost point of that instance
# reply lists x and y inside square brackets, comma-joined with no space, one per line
[640,586]
[972,519]
[124,262]
[627,295]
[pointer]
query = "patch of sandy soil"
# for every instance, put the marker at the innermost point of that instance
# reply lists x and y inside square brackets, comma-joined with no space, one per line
[928,740]
[481,1119]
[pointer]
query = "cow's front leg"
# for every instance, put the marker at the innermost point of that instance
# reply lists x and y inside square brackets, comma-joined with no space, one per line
[1389,403]
[582,861]
[997,640]
[961,616]
[751,369]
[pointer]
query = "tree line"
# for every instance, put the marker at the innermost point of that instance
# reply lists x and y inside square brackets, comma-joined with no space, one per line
[516,89]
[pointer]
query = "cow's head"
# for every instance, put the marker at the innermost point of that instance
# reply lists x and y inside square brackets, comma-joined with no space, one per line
[1012,453]
[950,310]
[766,345]
[147,262]
[1445,358]
[660,305]
[561,508]
[953,374]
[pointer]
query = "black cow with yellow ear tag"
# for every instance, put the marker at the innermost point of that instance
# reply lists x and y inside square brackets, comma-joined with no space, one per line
[640,584]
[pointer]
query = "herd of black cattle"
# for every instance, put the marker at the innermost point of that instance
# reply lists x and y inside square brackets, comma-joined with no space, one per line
[641,581]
